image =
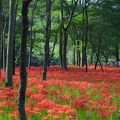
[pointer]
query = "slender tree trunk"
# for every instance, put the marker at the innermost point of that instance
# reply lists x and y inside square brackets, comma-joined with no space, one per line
[106,57]
[74,52]
[23,72]
[61,35]
[4,46]
[83,38]
[0,36]
[86,33]
[9,67]
[4,49]
[64,52]
[30,49]
[65,33]
[98,59]
[94,49]
[117,51]
[52,53]
[78,58]
[1,55]
[16,7]
[48,30]
[31,35]
[98,54]
[91,56]
[47,39]
[60,46]
[78,53]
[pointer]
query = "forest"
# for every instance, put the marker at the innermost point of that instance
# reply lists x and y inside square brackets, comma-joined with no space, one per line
[59,60]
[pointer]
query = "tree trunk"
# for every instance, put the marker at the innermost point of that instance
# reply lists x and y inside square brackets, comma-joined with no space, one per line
[4,52]
[98,54]
[30,49]
[117,51]
[4,46]
[94,50]
[9,64]
[60,47]
[31,34]
[106,57]
[78,58]
[91,56]
[65,32]
[74,52]
[61,35]
[47,39]
[86,33]
[16,7]
[64,52]
[0,36]
[23,72]
[83,38]
[78,53]
[52,53]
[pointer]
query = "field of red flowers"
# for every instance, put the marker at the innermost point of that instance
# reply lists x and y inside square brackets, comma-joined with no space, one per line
[66,95]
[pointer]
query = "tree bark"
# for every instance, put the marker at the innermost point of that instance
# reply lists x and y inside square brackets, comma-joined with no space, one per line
[94,49]
[78,58]
[14,41]
[31,34]
[64,52]
[117,51]
[98,53]
[9,64]
[30,49]
[4,46]
[61,35]
[74,52]
[86,33]
[91,56]
[23,72]
[47,39]
[0,36]
[83,38]
[60,45]
[52,53]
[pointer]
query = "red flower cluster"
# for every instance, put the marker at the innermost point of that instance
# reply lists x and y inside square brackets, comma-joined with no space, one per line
[64,92]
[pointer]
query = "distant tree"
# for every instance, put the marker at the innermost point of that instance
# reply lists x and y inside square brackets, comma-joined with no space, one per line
[65,30]
[31,33]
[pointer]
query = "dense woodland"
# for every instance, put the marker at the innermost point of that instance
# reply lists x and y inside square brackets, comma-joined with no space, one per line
[81,33]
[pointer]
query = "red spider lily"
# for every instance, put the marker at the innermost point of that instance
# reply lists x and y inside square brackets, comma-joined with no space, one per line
[44,91]
[3,104]
[14,114]
[65,98]
[65,91]
[80,103]
[53,92]
[37,97]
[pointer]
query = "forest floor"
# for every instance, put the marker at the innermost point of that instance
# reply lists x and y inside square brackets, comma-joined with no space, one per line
[66,95]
